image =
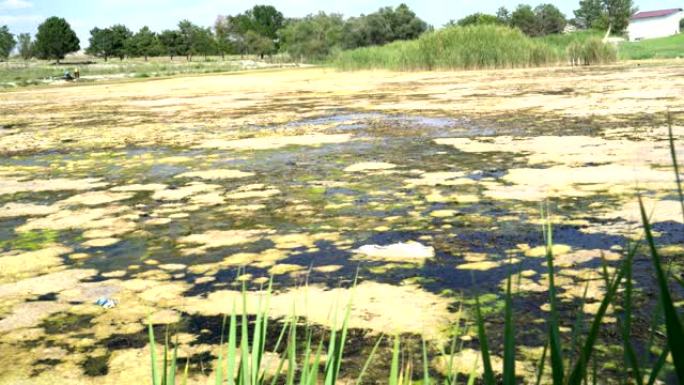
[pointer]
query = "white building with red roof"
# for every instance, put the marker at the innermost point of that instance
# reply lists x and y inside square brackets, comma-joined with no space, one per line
[652,24]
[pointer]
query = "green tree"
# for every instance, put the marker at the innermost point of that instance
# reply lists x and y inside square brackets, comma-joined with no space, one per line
[194,39]
[313,37]
[503,15]
[367,30]
[7,42]
[549,19]
[590,13]
[479,18]
[55,39]
[524,19]
[109,42]
[224,32]
[100,43]
[265,20]
[120,36]
[187,32]
[405,24]
[25,46]
[204,42]
[143,43]
[619,12]
[170,41]
[258,44]
[382,27]
[604,14]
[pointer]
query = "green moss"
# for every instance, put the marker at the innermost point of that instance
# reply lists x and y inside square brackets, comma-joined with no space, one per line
[30,240]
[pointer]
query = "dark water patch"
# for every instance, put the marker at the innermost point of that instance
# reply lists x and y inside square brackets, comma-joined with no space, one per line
[63,323]
[44,297]
[162,171]
[43,365]
[669,232]
[95,366]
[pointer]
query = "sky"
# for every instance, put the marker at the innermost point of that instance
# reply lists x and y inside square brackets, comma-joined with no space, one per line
[25,15]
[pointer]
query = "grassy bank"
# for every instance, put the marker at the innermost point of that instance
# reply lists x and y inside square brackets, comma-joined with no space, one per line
[478,47]
[17,73]
[662,48]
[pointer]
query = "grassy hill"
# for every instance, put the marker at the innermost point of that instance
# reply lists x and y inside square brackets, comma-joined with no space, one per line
[662,48]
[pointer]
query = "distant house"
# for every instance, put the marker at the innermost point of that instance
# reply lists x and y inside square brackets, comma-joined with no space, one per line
[652,24]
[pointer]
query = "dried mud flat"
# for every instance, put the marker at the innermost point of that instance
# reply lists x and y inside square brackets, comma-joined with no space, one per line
[155,193]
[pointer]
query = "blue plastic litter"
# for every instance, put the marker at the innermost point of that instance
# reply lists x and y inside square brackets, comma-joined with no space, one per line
[105,302]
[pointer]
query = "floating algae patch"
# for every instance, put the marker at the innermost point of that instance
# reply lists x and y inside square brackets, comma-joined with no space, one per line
[568,150]
[183,192]
[95,198]
[13,186]
[579,181]
[16,209]
[31,262]
[100,242]
[445,213]
[221,238]
[111,217]
[275,142]
[30,314]
[658,211]
[247,192]
[216,174]
[540,251]
[376,306]
[137,187]
[439,178]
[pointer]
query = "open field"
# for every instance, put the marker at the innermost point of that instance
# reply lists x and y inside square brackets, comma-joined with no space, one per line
[155,192]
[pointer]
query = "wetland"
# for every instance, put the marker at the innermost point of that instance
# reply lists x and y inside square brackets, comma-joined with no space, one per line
[166,195]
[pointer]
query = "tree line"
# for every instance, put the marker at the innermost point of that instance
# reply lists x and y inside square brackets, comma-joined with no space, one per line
[263,30]
[547,19]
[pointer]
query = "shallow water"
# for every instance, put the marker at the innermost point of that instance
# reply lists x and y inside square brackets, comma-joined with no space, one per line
[157,241]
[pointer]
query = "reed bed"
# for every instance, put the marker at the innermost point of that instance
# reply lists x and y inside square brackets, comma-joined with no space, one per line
[477,47]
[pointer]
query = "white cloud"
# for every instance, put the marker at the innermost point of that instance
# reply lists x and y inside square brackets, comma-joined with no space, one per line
[15,4]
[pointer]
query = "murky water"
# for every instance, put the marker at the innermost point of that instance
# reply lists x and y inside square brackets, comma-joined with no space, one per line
[163,217]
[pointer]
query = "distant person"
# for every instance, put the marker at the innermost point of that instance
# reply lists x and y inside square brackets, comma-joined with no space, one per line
[77,74]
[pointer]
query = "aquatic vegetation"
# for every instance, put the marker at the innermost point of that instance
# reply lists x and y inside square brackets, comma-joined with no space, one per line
[32,262]
[216,174]
[274,142]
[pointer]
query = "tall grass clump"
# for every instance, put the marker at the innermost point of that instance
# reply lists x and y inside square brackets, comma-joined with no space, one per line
[591,51]
[479,47]
[471,47]
[242,358]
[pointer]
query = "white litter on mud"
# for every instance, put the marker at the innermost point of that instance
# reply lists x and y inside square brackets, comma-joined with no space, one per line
[408,251]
